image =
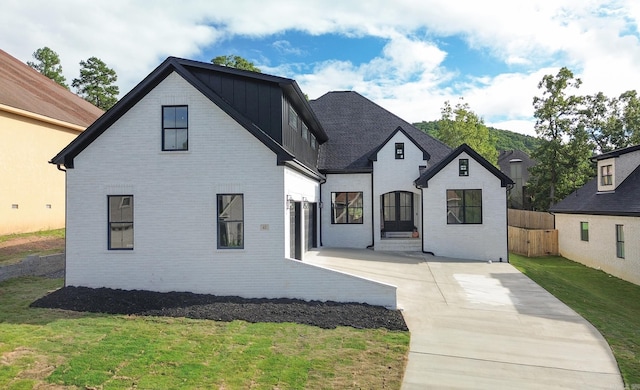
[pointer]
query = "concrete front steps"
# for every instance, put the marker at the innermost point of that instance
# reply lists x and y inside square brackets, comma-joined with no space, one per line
[399,245]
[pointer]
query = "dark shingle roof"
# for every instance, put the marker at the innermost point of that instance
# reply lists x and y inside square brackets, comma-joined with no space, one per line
[624,201]
[616,153]
[357,127]
[26,89]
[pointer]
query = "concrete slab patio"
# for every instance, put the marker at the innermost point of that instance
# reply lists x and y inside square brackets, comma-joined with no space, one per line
[476,325]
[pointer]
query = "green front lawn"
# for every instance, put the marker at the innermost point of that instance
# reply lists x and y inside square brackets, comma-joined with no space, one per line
[612,305]
[41,347]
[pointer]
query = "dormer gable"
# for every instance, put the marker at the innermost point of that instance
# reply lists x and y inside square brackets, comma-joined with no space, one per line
[399,147]
[614,167]
[460,157]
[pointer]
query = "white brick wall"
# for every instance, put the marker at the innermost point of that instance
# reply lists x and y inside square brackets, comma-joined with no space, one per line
[486,241]
[391,175]
[600,251]
[298,187]
[346,235]
[175,210]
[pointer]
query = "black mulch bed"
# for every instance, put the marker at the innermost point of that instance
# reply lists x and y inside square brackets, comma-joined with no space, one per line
[327,315]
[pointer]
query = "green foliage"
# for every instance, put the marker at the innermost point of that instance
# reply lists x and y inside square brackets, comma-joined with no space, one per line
[612,123]
[96,83]
[563,155]
[235,62]
[46,348]
[503,139]
[612,305]
[460,125]
[48,63]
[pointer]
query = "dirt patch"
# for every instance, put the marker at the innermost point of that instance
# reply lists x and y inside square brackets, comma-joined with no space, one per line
[32,244]
[326,315]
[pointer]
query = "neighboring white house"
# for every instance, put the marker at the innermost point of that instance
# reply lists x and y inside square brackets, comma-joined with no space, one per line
[598,225]
[214,180]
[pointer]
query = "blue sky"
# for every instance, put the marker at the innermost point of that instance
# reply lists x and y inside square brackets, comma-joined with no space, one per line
[409,56]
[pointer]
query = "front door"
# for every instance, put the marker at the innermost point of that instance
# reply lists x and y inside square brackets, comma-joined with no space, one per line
[397,211]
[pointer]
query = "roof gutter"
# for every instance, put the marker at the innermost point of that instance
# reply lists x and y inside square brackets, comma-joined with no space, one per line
[42,118]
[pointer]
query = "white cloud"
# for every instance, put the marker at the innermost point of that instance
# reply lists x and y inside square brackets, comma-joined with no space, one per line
[597,39]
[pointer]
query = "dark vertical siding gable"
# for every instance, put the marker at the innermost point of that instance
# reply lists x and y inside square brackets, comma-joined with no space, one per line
[293,140]
[258,101]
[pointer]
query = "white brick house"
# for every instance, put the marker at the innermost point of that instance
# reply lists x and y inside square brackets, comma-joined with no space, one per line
[214,180]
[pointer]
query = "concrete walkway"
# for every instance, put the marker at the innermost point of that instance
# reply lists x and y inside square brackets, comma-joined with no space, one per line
[476,325]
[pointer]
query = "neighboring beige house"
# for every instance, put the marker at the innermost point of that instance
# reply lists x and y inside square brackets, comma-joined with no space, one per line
[599,224]
[37,118]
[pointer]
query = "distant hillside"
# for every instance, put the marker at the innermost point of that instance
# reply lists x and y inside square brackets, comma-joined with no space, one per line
[505,139]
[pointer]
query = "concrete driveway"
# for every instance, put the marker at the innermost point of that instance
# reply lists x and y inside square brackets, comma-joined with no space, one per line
[476,325]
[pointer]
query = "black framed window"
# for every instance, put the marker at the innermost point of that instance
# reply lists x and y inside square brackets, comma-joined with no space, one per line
[175,128]
[230,221]
[620,241]
[399,151]
[606,175]
[293,118]
[314,142]
[584,231]
[346,208]
[120,221]
[463,167]
[464,206]
[305,132]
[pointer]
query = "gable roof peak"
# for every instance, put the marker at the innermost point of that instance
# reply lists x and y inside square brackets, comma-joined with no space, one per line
[423,180]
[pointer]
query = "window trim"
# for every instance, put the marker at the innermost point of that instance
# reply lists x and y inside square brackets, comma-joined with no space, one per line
[463,167]
[109,222]
[399,150]
[606,180]
[347,208]
[463,207]
[584,231]
[620,241]
[219,221]
[293,117]
[164,128]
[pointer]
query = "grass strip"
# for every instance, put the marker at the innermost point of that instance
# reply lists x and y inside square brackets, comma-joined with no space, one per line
[611,304]
[45,347]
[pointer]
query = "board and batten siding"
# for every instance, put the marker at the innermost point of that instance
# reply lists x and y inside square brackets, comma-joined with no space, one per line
[175,217]
[486,241]
[346,235]
[600,251]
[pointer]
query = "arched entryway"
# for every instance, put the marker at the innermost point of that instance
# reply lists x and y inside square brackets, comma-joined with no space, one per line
[397,211]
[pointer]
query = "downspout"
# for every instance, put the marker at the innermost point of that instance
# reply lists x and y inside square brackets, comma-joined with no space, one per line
[322,181]
[506,206]
[422,221]
[373,230]
[66,216]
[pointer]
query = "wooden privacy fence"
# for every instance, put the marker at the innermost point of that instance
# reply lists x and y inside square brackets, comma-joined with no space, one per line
[533,242]
[531,219]
[532,233]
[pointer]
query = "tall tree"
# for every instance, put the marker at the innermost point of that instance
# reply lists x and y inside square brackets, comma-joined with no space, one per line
[630,117]
[236,62]
[563,155]
[461,125]
[48,63]
[96,83]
